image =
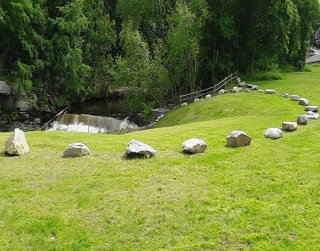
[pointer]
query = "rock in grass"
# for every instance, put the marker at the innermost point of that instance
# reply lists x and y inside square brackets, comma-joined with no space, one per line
[270,91]
[238,139]
[196,100]
[289,126]
[208,96]
[261,91]
[285,95]
[273,133]
[222,91]
[312,115]
[193,146]
[294,97]
[303,101]
[138,149]
[235,90]
[302,120]
[255,88]
[17,144]
[184,104]
[76,150]
[311,108]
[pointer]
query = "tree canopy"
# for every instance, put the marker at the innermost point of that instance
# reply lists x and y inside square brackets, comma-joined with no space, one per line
[154,50]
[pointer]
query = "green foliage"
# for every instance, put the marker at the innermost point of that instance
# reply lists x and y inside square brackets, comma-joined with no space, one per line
[22,76]
[144,77]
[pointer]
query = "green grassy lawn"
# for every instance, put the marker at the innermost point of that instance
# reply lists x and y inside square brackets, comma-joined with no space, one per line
[262,197]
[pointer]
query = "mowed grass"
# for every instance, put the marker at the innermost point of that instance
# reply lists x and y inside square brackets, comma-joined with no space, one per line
[262,197]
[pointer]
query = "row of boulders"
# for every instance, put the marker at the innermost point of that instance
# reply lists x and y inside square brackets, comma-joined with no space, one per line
[17,145]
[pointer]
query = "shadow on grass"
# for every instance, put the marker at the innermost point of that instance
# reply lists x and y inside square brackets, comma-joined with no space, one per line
[5,155]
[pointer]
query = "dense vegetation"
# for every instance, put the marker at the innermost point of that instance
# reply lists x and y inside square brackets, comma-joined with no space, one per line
[261,197]
[154,50]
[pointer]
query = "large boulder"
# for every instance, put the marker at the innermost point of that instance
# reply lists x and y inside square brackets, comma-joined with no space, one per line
[273,133]
[76,150]
[270,91]
[193,146]
[302,120]
[138,149]
[312,115]
[4,88]
[311,108]
[238,139]
[294,97]
[17,144]
[303,101]
[289,126]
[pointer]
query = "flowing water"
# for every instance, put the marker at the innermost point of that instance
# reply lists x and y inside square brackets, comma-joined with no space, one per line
[98,116]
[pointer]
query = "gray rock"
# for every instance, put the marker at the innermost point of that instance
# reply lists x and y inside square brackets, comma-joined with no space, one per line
[22,105]
[193,146]
[270,91]
[17,144]
[138,149]
[294,97]
[249,86]
[184,104]
[285,95]
[255,88]
[238,80]
[302,120]
[312,115]
[273,133]
[242,84]
[222,91]
[196,100]
[4,88]
[238,139]
[303,101]
[235,90]
[208,96]
[248,90]
[76,150]
[311,108]
[261,91]
[289,126]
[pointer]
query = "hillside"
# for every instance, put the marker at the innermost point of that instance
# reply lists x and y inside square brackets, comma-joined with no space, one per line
[261,197]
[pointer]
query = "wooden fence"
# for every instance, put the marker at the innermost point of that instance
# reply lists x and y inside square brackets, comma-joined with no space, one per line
[211,90]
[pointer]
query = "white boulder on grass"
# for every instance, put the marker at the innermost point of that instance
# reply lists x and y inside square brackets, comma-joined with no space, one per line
[222,91]
[75,150]
[208,96]
[235,90]
[136,148]
[311,108]
[273,133]
[270,91]
[17,144]
[193,146]
[303,101]
[289,126]
[238,139]
[312,115]
[302,120]
[184,104]
[294,97]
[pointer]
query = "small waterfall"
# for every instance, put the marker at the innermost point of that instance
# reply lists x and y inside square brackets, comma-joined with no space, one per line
[91,124]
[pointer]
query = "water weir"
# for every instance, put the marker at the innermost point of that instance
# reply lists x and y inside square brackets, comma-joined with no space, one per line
[91,124]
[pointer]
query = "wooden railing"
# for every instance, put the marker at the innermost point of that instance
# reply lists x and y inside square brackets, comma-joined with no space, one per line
[211,90]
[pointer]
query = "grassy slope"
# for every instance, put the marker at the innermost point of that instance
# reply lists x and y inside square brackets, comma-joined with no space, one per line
[265,196]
